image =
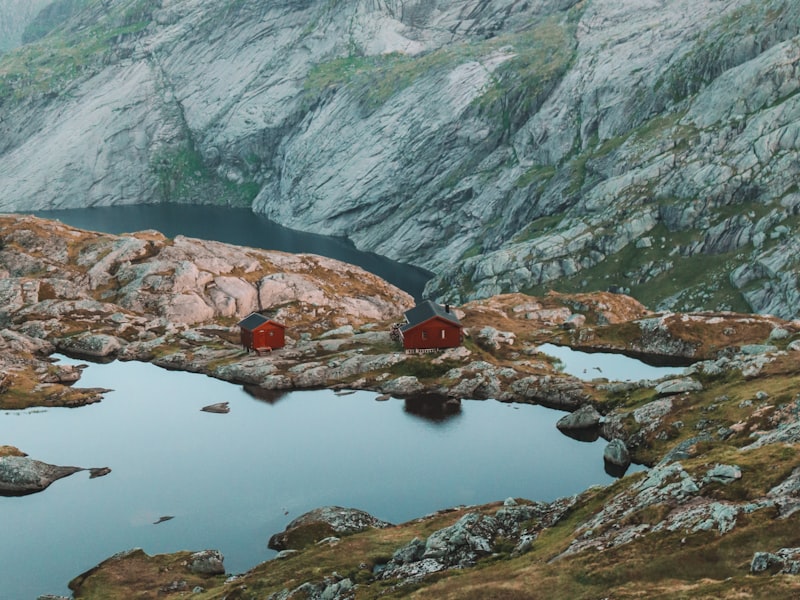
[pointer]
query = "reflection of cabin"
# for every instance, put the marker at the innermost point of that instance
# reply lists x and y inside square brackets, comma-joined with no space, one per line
[261,333]
[431,326]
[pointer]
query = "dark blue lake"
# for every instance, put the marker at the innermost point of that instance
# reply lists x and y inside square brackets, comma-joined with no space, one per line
[232,480]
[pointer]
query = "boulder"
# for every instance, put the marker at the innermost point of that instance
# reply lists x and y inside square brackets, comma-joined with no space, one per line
[95,345]
[616,454]
[207,562]
[678,386]
[586,417]
[320,523]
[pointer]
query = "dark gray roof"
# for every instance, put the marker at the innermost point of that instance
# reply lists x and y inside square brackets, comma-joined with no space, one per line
[427,310]
[253,320]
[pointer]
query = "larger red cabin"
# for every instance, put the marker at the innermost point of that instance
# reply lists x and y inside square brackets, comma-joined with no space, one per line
[431,326]
[261,333]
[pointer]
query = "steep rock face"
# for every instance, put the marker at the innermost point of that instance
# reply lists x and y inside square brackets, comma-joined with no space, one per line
[15,16]
[506,146]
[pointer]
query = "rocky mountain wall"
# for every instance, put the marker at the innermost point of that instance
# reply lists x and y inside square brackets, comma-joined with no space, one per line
[503,145]
[15,16]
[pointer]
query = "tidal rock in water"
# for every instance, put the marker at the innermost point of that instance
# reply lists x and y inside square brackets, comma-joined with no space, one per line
[20,475]
[219,407]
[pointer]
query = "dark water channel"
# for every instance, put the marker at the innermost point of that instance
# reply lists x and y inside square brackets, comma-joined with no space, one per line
[237,226]
[232,480]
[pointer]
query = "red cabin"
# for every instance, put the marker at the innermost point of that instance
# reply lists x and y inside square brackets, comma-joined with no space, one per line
[431,326]
[261,333]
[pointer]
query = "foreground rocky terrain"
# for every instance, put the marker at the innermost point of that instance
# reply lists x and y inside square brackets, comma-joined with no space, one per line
[505,146]
[714,515]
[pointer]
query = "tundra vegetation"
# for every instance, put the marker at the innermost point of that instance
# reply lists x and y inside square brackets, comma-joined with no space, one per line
[713,516]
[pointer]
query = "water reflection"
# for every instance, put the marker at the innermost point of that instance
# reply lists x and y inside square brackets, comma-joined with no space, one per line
[263,394]
[433,408]
[232,480]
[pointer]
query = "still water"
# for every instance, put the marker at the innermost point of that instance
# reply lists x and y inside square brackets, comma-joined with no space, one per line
[611,366]
[238,226]
[232,480]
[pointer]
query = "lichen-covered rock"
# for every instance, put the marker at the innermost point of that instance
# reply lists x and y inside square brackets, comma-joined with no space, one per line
[20,475]
[616,453]
[678,386]
[584,418]
[323,522]
[207,562]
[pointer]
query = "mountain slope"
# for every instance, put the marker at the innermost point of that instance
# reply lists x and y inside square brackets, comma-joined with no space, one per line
[503,145]
[15,16]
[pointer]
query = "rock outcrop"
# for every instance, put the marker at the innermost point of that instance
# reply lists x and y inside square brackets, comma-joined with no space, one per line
[322,523]
[502,145]
[21,475]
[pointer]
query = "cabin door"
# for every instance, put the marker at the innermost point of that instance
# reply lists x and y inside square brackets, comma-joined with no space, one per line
[260,339]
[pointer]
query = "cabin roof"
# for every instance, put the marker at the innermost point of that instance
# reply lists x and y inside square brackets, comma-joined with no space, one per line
[255,320]
[428,310]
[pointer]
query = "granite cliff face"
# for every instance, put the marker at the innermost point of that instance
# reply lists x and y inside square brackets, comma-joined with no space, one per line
[503,145]
[15,16]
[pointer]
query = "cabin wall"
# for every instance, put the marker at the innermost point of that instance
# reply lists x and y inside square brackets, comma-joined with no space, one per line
[264,336]
[432,334]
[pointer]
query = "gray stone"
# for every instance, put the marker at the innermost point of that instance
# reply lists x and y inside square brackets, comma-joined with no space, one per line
[678,386]
[585,417]
[616,453]
[207,562]
[723,474]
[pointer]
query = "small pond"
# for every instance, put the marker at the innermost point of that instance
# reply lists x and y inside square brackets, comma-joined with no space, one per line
[232,480]
[611,366]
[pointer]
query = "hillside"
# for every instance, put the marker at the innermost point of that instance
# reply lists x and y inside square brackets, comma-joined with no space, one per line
[714,515]
[505,146]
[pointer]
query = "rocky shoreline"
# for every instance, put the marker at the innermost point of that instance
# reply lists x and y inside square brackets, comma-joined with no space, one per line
[721,440]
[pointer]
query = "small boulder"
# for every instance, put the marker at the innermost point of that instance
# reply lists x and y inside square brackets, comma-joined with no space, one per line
[207,562]
[616,454]
[585,417]
[678,386]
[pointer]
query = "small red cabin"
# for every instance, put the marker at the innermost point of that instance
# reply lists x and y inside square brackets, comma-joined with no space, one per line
[261,333]
[431,326]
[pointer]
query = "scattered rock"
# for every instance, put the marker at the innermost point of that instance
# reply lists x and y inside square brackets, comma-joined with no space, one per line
[678,386]
[616,454]
[585,417]
[20,475]
[207,562]
[98,472]
[323,522]
[219,407]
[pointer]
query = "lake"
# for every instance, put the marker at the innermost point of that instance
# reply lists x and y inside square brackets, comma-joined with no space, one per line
[232,480]
[238,226]
[609,365]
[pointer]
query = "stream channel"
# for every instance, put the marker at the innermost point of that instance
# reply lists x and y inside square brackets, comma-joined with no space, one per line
[232,480]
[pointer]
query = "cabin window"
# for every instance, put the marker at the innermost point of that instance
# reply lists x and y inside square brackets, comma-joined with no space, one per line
[271,333]
[424,335]
[442,333]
